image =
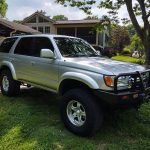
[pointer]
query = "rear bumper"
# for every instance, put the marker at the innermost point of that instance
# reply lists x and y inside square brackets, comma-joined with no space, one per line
[124,99]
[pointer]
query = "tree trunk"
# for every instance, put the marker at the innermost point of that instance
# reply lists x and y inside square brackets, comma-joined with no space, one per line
[147,50]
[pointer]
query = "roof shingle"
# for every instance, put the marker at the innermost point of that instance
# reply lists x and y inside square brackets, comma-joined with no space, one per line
[77,22]
[17,27]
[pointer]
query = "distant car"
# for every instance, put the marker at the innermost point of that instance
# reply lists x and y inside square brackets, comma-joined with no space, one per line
[99,49]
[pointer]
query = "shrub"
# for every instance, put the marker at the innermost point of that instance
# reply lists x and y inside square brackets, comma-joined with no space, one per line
[109,52]
[126,53]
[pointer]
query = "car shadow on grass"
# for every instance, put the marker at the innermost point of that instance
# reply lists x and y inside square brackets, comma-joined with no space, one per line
[31,121]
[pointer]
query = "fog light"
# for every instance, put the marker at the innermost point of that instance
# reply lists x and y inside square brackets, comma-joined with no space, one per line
[125,97]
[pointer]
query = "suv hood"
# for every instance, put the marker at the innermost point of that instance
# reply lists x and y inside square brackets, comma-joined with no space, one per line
[103,65]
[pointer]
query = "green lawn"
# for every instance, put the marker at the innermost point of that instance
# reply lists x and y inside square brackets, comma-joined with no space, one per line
[31,122]
[127,59]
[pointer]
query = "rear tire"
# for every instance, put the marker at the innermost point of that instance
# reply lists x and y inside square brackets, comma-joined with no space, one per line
[9,86]
[80,113]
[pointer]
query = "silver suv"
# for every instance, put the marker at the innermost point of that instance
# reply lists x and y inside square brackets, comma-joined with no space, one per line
[86,81]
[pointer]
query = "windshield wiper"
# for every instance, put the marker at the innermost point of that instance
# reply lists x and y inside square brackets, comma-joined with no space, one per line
[69,55]
[81,55]
[94,55]
[75,55]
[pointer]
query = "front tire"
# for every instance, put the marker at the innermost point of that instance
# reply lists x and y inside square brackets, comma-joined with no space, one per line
[9,86]
[80,113]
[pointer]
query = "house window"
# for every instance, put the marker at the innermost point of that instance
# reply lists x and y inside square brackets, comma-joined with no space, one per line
[47,29]
[42,20]
[66,31]
[35,28]
[33,20]
[40,29]
[87,33]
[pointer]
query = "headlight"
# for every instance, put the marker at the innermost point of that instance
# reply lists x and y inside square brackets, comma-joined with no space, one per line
[123,82]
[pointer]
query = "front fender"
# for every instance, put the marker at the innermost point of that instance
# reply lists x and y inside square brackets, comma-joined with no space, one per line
[80,77]
[11,68]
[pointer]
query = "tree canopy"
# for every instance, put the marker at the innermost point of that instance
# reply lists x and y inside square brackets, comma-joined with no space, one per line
[136,44]
[59,17]
[3,8]
[135,8]
[119,37]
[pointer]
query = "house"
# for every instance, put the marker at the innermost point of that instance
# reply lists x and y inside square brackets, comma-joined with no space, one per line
[8,28]
[78,28]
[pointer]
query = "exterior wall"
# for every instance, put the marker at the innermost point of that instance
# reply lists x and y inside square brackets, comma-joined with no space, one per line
[76,26]
[37,25]
[100,37]
[44,24]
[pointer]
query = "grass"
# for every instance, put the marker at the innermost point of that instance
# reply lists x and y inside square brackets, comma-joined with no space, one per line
[31,122]
[128,59]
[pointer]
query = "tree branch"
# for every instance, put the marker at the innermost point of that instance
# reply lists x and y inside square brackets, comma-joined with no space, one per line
[148,15]
[133,18]
[144,15]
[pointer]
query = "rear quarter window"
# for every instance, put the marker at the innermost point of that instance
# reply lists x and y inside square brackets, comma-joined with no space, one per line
[7,44]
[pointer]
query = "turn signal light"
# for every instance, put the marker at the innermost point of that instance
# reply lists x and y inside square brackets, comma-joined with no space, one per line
[108,80]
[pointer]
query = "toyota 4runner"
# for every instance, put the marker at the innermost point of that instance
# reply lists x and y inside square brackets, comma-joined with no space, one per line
[86,81]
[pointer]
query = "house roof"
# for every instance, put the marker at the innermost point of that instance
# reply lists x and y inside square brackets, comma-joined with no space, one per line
[77,22]
[64,22]
[39,13]
[17,27]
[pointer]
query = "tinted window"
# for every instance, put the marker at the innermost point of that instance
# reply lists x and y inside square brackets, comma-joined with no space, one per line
[24,46]
[7,44]
[31,46]
[41,43]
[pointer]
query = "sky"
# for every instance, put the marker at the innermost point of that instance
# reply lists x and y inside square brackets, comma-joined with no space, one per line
[19,9]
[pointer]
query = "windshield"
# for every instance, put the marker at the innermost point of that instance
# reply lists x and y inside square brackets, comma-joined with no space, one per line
[73,47]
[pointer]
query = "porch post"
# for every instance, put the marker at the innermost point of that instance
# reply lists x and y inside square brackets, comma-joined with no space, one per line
[75,31]
[97,38]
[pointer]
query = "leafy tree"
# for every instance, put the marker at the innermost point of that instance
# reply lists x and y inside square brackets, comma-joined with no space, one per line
[136,44]
[59,17]
[134,7]
[3,8]
[131,30]
[119,37]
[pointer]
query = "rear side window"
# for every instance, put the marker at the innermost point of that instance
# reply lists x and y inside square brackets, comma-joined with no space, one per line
[24,47]
[31,46]
[7,44]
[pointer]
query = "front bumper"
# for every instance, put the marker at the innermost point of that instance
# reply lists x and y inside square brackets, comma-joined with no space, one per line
[124,99]
[138,94]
